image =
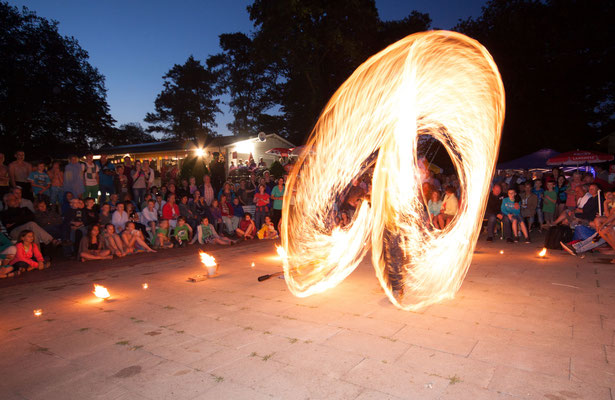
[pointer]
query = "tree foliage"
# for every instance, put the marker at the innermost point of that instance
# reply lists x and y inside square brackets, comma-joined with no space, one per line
[556,59]
[51,98]
[130,133]
[186,107]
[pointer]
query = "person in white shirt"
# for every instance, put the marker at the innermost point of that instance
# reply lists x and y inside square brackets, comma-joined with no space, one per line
[119,218]
[450,206]
[149,217]
[91,177]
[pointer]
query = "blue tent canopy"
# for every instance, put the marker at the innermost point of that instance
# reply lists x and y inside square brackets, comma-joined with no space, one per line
[537,159]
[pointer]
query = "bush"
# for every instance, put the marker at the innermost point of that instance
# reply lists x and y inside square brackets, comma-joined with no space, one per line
[277,170]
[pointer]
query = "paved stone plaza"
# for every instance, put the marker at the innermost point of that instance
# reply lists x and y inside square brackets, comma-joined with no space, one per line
[520,327]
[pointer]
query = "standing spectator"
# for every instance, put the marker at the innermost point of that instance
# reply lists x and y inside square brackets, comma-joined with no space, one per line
[262,163]
[549,202]
[218,173]
[19,170]
[57,182]
[91,177]
[106,175]
[207,190]
[261,199]
[120,181]
[4,177]
[192,185]
[226,210]
[434,206]
[561,188]
[277,194]
[139,183]
[73,177]
[529,204]
[150,175]
[40,182]
[128,168]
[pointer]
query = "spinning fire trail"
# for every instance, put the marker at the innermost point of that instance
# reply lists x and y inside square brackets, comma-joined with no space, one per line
[442,84]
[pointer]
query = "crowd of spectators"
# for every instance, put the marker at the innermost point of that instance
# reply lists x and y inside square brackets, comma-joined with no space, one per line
[92,209]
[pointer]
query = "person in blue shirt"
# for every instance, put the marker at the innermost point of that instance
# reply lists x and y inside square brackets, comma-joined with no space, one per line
[539,192]
[512,210]
[39,181]
[107,171]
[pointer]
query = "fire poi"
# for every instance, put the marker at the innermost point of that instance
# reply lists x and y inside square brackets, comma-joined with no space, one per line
[440,84]
[101,292]
[209,262]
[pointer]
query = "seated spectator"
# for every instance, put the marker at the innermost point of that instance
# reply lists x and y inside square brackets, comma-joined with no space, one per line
[352,200]
[113,241]
[344,220]
[159,204]
[134,240]
[105,215]
[170,211]
[28,255]
[205,234]
[135,218]
[267,231]
[198,206]
[90,212]
[493,213]
[227,191]
[146,198]
[434,205]
[17,219]
[149,217]
[207,190]
[450,205]
[17,192]
[540,194]
[65,206]
[585,211]
[186,211]
[512,210]
[119,218]
[162,238]
[246,229]
[238,213]
[216,215]
[40,182]
[182,233]
[7,253]
[73,226]
[113,202]
[91,247]
[192,186]
[48,219]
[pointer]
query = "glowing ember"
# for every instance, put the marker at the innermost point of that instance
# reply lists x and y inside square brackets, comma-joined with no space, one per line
[501,251]
[207,260]
[38,312]
[101,292]
[145,286]
[543,252]
[435,84]
[281,252]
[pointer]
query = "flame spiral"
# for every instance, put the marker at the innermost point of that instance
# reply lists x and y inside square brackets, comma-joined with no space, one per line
[438,83]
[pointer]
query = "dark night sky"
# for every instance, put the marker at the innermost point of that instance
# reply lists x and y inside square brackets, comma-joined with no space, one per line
[134,43]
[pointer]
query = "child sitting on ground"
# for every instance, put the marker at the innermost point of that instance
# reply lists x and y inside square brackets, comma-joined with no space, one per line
[161,238]
[205,233]
[246,228]
[182,233]
[113,241]
[91,247]
[28,255]
[267,231]
[133,239]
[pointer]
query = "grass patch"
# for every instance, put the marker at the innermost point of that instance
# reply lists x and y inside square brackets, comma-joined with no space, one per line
[267,356]
[454,379]
[123,343]
[180,332]
[15,329]
[293,340]
[137,347]
[266,333]
[307,341]
[217,378]
[109,311]
[138,321]
[247,328]
[287,317]
[169,308]
[254,354]
[84,329]
[50,320]
[388,338]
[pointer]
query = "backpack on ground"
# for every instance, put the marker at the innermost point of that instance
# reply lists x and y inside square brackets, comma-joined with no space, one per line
[556,234]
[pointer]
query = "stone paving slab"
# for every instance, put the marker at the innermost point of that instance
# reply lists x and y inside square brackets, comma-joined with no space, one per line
[519,328]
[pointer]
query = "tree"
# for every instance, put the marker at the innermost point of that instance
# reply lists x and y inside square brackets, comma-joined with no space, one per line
[556,59]
[52,101]
[186,107]
[250,83]
[131,133]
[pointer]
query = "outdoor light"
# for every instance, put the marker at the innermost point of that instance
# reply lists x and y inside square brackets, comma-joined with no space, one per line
[145,286]
[501,251]
[253,265]
[199,152]
[437,84]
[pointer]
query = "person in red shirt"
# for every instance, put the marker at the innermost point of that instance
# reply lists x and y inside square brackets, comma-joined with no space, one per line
[170,211]
[262,201]
[28,255]
[246,228]
[226,209]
